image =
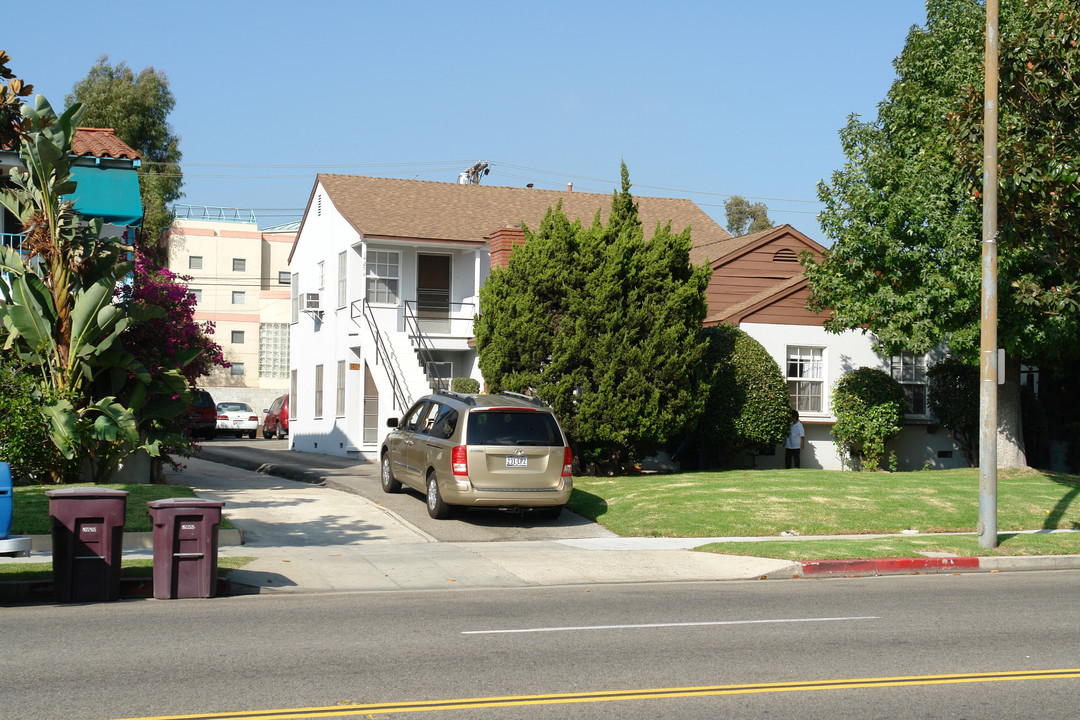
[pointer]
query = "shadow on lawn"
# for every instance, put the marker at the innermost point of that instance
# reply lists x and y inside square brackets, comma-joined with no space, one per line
[587,504]
[1053,519]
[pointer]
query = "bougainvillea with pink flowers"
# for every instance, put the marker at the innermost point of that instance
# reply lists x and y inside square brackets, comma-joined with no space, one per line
[157,342]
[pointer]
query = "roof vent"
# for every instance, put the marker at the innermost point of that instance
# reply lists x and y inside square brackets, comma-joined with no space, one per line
[785,255]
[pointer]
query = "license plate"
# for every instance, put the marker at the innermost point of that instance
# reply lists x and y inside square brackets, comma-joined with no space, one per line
[517,461]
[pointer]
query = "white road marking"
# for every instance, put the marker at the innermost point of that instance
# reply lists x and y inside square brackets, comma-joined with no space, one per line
[666,625]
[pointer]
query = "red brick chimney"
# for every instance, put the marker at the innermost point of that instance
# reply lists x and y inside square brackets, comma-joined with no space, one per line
[502,241]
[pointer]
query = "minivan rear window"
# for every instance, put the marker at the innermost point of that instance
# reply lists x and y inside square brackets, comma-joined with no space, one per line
[513,427]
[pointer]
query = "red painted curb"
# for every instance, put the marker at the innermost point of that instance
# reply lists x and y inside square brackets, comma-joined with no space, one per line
[888,566]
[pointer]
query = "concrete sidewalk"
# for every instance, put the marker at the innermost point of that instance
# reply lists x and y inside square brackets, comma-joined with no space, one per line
[317,534]
[308,538]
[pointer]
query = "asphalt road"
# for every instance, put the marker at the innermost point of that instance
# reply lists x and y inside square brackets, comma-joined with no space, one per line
[247,654]
[362,478]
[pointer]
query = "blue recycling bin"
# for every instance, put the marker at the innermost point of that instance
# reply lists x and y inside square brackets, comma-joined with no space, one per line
[7,501]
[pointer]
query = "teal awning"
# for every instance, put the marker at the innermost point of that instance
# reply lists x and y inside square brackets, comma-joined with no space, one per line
[109,193]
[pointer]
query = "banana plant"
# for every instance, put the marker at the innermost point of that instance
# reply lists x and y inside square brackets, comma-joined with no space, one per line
[59,312]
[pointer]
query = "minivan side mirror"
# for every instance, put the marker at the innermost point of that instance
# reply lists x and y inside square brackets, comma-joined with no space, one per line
[266,410]
[391,422]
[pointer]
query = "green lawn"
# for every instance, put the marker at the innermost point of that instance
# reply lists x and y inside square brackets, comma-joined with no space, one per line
[31,506]
[762,503]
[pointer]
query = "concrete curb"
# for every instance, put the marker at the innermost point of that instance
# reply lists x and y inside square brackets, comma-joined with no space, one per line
[39,591]
[924,566]
[288,472]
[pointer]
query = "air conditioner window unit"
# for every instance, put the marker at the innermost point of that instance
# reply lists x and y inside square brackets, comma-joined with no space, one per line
[309,301]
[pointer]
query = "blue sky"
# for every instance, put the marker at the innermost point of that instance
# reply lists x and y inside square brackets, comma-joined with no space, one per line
[701,99]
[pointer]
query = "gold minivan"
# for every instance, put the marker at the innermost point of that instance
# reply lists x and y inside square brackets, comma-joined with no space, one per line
[503,450]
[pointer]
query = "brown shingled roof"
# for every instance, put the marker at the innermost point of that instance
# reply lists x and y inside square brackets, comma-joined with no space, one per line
[101,142]
[421,209]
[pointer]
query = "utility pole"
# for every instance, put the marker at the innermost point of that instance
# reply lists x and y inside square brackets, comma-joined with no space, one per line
[988,371]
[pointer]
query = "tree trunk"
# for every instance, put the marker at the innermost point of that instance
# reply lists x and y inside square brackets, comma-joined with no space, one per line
[1010,433]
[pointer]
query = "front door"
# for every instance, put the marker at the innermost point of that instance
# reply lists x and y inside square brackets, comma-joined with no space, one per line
[433,293]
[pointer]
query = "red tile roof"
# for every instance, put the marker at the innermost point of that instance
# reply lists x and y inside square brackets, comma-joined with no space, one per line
[101,142]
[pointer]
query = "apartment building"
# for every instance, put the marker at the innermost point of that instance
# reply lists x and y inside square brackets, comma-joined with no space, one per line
[240,277]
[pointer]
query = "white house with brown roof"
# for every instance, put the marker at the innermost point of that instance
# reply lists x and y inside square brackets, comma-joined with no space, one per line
[758,284]
[385,285]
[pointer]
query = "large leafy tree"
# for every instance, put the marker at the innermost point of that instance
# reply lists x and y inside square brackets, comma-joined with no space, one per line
[605,326]
[904,212]
[137,107]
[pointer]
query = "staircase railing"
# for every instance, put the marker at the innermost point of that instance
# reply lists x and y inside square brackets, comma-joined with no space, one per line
[423,348]
[382,354]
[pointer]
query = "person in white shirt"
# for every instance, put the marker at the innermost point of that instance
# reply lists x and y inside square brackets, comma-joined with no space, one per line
[795,442]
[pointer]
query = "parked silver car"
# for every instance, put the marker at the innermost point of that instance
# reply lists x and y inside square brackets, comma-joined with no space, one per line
[503,450]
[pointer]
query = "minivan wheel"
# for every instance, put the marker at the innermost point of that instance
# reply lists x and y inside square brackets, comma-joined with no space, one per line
[389,484]
[278,433]
[436,508]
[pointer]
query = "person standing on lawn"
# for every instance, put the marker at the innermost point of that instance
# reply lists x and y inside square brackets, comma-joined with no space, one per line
[795,442]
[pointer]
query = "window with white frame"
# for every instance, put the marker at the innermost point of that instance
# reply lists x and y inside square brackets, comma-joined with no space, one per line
[237,369]
[383,276]
[321,272]
[283,277]
[341,260]
[194,262]
[239,265]
[238,297]
[237,337]
[318,390]
[340,404]
[909,369]
[197,292]
[806,378]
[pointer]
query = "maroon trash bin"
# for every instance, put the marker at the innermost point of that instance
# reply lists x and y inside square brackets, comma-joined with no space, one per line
[185,547]
[88,542]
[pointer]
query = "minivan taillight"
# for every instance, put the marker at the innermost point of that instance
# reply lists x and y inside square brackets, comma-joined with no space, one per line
[567,462]
[459,461]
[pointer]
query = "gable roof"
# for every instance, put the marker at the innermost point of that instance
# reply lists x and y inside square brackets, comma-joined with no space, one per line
[101,142]
[425,210]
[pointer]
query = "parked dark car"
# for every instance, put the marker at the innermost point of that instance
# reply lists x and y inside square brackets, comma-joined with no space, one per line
[276,420]
[202,415]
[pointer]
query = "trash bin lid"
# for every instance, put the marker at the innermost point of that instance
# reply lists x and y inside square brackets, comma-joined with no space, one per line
[85,492]
[183,502]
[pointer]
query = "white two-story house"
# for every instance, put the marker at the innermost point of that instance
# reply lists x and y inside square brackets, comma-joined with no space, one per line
[385,279]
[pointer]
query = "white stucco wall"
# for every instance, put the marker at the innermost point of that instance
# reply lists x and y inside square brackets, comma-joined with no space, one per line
[919,443]
[334,335]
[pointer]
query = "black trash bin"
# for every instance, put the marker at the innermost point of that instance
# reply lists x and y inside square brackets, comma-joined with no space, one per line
[88,542]
[185,547]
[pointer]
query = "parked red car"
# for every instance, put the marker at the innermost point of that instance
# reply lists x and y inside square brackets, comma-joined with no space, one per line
[276,420]
[202,415]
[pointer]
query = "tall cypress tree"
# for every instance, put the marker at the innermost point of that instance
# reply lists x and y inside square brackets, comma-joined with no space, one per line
[603,325]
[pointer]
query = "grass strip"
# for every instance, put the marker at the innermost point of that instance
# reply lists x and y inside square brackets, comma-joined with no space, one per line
[760,503]
[31,506]
[1010,544]
[138,567]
